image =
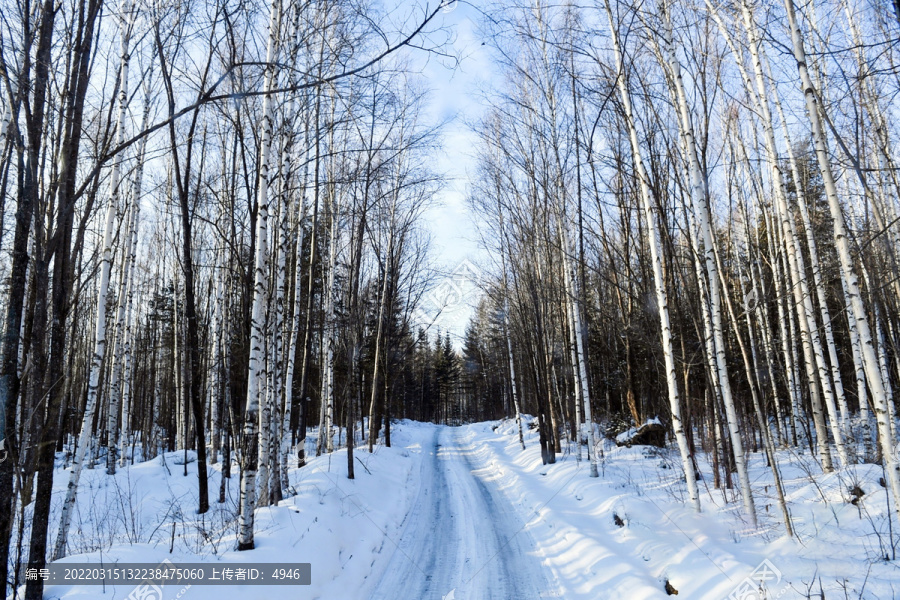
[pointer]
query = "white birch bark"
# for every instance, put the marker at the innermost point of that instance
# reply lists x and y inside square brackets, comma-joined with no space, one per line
[283,450]
[137,187]
[59,549]
[115,175]
[659,284]
[274,391]
[116,332]
[880,399]
[882,146]
[812,351]
[756,93]
[265,400]
[787,322]
[705,316]
[126,435]
[576,108]
[859,372]
[123,332]
[325,440]
[570,278]
[887,380]
[700,198]
[215,372]
[294,342]
[5,118]
[326,429]
[155,441]
[507,330]
[178,367]
[295,339]
[881,352]
[217,332]
[252,429]
[837,424]
[579,428]
[512,372]
[813,357]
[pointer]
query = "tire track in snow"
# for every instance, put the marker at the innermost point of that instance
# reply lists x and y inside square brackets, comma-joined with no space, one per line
[462,539]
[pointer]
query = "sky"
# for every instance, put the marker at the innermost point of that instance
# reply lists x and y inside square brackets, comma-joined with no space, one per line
[456,99]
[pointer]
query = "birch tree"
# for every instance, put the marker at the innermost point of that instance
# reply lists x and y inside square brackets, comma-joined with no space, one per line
[255,452]
[59,550]
[661,295]
[870,361]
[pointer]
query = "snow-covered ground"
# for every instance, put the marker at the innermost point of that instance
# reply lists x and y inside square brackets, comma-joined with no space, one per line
[712,555]
[463,513]
[342,527]
[463,538]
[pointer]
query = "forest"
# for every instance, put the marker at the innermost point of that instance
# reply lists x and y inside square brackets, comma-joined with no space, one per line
[214,237]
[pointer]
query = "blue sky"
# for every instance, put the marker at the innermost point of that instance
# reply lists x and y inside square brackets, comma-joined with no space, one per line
[456,98]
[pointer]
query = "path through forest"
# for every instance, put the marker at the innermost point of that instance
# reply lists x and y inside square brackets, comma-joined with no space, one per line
[463,540]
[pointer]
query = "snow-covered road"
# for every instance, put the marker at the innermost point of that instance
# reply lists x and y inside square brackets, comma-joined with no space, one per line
[462,539]
[442,515]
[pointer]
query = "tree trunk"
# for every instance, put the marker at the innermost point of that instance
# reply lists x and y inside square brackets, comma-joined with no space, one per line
[59,550]
[253,446]
[659,282]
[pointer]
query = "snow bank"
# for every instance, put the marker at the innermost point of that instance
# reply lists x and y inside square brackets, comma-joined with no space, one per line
[634,434]
[623,535]
[338,525]
[627,533]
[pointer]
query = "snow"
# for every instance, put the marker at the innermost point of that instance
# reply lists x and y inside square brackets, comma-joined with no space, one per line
[628,435]
[703,556]
[464,513]
[463,537]
[340,526]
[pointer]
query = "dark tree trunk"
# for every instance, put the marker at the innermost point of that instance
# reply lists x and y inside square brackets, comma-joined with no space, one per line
[60,247]
[193,356]
[192,350]
[9,355]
